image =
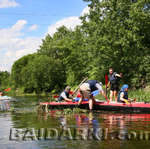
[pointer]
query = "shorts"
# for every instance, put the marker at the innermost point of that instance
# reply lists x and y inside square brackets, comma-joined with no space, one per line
[85,91]
[114,87]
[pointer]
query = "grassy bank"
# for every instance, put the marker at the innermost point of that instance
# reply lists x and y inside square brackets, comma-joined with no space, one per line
[140,94]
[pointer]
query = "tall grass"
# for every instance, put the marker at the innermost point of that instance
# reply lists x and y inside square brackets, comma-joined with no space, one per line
[140,95]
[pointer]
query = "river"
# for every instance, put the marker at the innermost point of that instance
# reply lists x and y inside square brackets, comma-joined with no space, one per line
[27,128]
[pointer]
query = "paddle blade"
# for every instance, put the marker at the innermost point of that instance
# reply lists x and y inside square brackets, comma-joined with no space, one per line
[106,79]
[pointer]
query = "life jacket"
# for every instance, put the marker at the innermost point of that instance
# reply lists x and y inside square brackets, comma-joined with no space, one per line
[92,84]
[61,98]
[113,78]
[125,96]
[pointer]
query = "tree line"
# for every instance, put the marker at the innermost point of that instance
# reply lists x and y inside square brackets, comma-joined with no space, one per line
[113,34]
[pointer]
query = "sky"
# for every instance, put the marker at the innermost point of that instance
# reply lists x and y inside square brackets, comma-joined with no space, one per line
[24,23]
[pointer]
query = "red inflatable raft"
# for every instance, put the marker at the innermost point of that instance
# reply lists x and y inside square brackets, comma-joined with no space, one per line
[136,107]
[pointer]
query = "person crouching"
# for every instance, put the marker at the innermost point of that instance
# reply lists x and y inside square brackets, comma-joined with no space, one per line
[64,96]
[123,95]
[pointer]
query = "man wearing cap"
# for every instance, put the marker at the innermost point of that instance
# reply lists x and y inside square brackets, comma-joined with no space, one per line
[86,90]
[65,95]
[123,95]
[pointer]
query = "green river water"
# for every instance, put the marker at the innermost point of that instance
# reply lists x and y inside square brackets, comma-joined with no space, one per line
[26,128]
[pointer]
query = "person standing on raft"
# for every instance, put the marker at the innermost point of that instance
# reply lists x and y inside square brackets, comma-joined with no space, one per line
[123,95]
[114,83]
[86,90]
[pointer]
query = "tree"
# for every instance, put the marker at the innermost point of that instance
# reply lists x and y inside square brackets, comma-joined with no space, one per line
[44,74]
[68,47]
[38,73]
[16,72]
[118,34]
[4,79]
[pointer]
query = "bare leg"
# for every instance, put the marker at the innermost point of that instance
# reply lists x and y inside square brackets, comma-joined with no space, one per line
[115,95]
[111,95]
[79,102]
[82,97]
[90,104]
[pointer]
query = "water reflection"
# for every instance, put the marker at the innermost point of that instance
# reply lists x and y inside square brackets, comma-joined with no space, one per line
[115,126]
[4,105]
[108,126]
[88,126]
[63,122]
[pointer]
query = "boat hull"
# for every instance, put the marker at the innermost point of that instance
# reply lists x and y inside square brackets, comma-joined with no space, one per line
[137,107]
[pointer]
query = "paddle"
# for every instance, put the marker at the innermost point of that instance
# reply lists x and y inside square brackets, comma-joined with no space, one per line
[132,100]
[106,82]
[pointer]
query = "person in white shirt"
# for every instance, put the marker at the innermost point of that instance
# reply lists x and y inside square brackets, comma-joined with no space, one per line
[65,95]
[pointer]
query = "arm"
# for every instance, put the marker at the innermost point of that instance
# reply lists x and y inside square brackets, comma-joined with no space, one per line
[65,97]
[118,75]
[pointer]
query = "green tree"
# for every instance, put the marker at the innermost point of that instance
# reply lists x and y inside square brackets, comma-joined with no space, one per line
[118,35]
[16,72]
[44,74]
[4,79]
[68,47]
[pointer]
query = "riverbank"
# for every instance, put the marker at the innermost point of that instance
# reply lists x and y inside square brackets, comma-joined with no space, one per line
[139,94]
[20,92]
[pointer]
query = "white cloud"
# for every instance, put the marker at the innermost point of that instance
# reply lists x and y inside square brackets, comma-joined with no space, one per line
[86,10]
[8,54]
[33,27]
[8,3]
[28,45]
[69,22]
[13,45]
[19,25]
